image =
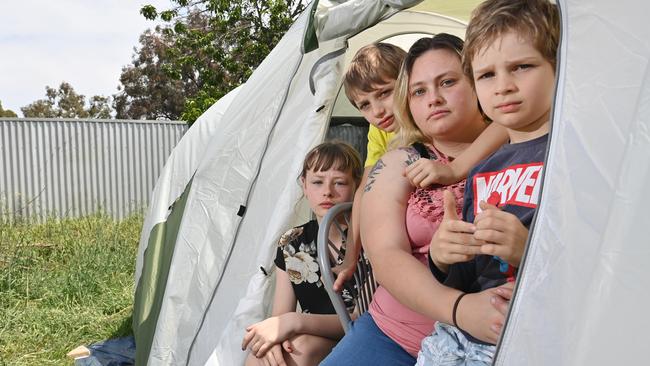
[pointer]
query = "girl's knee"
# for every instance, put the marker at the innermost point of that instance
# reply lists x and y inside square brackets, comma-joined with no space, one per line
[251,360]
[311,347]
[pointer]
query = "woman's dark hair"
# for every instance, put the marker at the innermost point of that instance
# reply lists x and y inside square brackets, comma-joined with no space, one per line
[441,41]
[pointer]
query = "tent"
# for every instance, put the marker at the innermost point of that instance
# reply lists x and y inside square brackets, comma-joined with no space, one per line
[229,190]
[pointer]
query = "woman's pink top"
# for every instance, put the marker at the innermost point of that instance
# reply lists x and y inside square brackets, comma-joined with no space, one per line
[423,215]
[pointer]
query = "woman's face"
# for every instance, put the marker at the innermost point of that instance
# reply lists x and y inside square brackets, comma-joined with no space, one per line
[441,99]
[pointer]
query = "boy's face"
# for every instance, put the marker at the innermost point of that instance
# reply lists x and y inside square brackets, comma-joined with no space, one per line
[515,85]
[376,106]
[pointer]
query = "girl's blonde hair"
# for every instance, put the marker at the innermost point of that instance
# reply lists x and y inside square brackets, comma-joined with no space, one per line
[336,155]
[408,132]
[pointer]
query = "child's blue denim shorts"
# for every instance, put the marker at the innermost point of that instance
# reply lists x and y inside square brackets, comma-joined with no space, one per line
[448,346]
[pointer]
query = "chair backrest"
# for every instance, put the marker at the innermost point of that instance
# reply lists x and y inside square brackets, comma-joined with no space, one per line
[338,218]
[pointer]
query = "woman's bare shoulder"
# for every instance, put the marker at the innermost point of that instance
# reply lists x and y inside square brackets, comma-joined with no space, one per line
[390,168]
[403,156]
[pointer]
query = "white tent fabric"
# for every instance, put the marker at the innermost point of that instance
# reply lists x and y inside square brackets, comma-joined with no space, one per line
[179,168]
[583,295]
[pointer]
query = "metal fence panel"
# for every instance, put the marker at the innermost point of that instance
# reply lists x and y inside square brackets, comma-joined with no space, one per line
[73,167]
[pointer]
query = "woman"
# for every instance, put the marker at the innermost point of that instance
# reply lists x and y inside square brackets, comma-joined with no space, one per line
[436,106]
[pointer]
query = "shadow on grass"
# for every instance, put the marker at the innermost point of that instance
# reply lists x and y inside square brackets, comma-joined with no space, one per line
[125,329]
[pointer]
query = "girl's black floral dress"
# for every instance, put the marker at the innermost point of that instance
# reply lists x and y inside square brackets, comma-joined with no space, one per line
[296,255]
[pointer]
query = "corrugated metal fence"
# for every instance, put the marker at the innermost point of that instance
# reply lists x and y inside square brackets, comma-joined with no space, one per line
[72,167]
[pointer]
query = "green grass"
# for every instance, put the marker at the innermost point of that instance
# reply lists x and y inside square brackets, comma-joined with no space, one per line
[63,284]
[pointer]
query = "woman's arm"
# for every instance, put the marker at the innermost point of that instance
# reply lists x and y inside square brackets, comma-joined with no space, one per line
[383,232]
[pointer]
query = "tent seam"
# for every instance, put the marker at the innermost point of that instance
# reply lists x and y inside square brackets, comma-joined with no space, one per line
[248,194]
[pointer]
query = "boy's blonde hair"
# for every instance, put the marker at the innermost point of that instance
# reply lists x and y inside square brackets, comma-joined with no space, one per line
[539,20]
[372,65]
[408,132]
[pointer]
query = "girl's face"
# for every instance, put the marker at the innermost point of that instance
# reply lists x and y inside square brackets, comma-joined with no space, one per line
[441,98]
[326,188]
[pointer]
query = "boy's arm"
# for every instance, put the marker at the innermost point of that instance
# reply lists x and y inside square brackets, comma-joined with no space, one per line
[426,172]
[485,144]
[375,149]
[353,246]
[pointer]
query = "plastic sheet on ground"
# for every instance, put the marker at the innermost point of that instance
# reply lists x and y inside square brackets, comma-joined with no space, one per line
[113,352]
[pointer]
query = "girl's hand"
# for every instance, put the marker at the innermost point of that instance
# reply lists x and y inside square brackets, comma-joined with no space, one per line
[274,357]
[425,172]
[260,337]
[454,241]
[504,234]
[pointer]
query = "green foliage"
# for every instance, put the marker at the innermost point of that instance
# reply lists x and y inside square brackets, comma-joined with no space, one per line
[63,284]
[151,87]
[66,103]
[6,112]
[217,43]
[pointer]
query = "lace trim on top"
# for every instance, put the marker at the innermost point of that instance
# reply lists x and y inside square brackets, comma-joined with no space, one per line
[428,202]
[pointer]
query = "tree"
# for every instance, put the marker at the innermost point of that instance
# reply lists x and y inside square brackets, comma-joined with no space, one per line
[148,89]
[6,112]
[217,43]
[66,103]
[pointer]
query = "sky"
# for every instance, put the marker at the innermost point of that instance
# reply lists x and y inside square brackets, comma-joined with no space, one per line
[83,42]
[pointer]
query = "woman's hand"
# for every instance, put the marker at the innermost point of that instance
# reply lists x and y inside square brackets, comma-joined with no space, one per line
[260,337]
[504,234]
[454,240]
[501,302]
[483,314]
[425,172]
[477,316]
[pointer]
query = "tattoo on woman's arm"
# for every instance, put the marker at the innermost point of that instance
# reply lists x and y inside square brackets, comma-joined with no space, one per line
[372,176]
[412,157]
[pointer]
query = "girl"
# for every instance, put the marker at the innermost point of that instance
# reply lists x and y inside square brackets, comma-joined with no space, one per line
[330,174]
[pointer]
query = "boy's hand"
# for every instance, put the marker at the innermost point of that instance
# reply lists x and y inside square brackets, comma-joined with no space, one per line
[425,172]
[504,234]
[261,336]
[454,240]
[345,270]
